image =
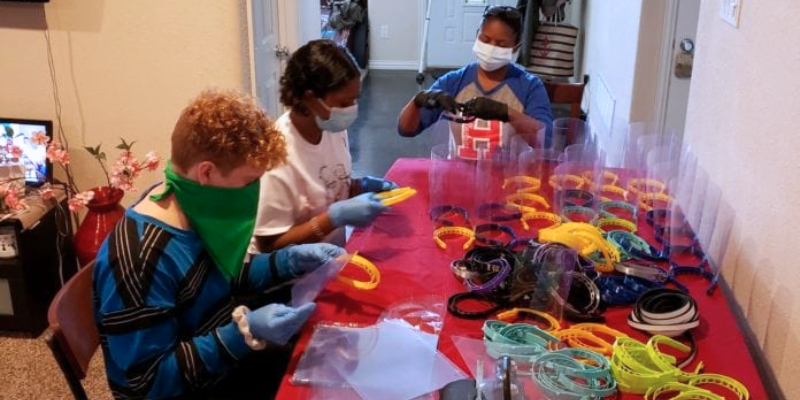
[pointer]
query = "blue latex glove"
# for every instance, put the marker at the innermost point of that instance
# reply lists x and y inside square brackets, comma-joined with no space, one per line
[277,323]
[303,258]
[356,211]
[373,184]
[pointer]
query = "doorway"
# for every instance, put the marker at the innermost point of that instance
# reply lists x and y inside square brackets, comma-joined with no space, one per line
[678,47]
[452,30]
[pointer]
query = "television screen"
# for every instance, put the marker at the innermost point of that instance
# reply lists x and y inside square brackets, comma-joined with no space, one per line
[30,136]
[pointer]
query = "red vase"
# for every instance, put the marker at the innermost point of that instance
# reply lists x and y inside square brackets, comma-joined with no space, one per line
[104,212]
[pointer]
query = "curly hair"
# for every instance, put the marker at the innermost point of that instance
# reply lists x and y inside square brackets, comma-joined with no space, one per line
[320,66]
[228,128]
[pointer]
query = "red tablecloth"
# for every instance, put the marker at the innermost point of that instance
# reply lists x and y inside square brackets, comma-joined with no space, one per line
[411,265]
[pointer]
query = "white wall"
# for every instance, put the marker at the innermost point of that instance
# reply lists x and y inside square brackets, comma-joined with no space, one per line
[401,49]
[741,123]
[124,68]
[622,50]
[309,27]
[611,46]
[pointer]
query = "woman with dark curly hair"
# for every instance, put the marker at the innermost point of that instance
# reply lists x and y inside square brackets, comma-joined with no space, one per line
[312,196]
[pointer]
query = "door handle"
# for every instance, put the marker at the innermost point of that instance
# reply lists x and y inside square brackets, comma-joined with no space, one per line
[687,45]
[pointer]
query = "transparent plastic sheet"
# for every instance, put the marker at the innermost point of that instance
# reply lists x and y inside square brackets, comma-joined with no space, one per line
[540,164]
[657,191]
[686,175]
[443,132]
[570,131]
[306,289]
[424,313]
[616,147]
[492,172]
[642,137]
[685,249]
[694,211]
[536,139]
[392,361]
[574,197]
[545,275]
[718,247]
[314,367]
[450,178]
[708,218]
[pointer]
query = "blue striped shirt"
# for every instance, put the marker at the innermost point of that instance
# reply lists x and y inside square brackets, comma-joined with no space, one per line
[163,309]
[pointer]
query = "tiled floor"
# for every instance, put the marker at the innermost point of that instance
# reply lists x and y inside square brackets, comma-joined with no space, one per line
[374,142]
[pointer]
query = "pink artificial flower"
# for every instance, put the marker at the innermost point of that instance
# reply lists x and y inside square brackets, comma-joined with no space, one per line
[124,156]
[12,198]
[47,193]
[57,154]
[16,152]
[151,161]
[75,204]
[39,138]
[80,200]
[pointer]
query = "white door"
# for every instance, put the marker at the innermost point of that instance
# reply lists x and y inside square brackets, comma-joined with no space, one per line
[268,54]
[683,47]
[452,30]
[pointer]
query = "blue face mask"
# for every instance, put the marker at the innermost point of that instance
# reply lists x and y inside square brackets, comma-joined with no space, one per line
[339,119]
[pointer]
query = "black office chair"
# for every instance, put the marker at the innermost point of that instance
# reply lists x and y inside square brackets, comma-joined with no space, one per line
[72,334]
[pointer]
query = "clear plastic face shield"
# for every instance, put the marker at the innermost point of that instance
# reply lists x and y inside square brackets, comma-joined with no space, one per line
[570,131]
[577,182]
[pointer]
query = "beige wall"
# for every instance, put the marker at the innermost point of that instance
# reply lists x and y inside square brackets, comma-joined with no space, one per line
[401,49]
[645,84]
[124,68]
[741,123]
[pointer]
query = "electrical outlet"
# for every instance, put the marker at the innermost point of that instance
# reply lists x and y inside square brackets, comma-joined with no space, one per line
[729,11]
[384,31]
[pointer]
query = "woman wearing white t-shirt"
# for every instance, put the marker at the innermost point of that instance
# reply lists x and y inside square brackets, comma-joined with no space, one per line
[312,197]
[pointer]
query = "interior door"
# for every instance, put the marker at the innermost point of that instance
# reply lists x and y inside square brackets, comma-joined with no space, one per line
[452,30]
[268,54]
[683,49]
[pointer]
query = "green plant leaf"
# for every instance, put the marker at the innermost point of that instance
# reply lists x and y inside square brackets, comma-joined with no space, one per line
[9,132]
[101,156]
[125,145]
[91,150]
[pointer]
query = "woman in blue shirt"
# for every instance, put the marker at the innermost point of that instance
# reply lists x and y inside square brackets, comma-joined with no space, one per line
[492,88]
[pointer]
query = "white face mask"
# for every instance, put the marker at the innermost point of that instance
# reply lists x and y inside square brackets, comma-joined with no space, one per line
[340,117]
[491,57]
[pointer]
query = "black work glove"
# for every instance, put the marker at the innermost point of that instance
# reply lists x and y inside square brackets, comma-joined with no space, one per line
[434,99]
[486,108]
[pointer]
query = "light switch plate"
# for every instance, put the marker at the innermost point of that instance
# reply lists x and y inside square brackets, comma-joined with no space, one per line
[729,11]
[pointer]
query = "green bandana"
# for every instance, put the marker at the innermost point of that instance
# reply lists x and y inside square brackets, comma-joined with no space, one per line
[224,217]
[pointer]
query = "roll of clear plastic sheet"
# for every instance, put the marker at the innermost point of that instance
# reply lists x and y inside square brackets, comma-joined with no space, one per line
[708,216]
[570,131]
[491,174]
[540,164]
[718,247]
[694,210]
[573,192]
[451,180]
